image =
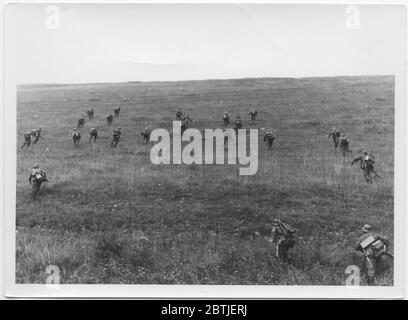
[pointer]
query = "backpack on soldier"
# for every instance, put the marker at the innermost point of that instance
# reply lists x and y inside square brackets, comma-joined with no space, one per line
[373,246]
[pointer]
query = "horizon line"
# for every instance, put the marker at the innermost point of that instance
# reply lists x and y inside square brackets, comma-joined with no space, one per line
[197,80]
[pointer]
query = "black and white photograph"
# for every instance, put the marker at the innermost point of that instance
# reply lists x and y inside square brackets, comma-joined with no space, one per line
[215,145]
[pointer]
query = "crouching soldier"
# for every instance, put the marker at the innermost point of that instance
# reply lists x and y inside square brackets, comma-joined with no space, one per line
[81,122]
[179,114]
[27,140]
[374,247]
[269,138]
[238,124]
[344,145]
[367,164]
[146,135]
[283,236]
[116,112]
[93,135]
[36,133]
[335,135]
[76,136]
[253,115]
[116,137]
[90,113]
[226,119]
[37,177]
[109,119]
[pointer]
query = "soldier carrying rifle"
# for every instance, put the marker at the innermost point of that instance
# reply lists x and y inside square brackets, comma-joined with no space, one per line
[283,237]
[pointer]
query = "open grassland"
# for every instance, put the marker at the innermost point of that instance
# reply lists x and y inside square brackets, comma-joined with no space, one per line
[205,224]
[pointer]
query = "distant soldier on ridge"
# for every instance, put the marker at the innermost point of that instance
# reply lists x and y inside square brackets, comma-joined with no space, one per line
[93,135]
[335,135]
[37,177]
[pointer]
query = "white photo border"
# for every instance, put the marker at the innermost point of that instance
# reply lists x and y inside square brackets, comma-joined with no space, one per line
[13,290]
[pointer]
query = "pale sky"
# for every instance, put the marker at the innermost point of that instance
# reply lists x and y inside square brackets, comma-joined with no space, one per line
[156,42]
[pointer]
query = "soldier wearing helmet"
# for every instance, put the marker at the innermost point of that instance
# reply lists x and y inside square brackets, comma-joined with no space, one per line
[283,236]
[374,246]
[116,137]
[27,140]
[146,135]
[36,178]
[226,119]
[93,135]
[269,138]
[335,135]
[367,164]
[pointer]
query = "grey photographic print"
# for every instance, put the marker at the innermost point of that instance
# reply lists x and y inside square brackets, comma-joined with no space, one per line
[205,144]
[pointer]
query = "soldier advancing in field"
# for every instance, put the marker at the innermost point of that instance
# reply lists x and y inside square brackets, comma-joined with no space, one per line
[335,135]
[253,115]
[184,125]
[226,119]
[374,247]
[81,122]
[27,140]
[146,135]
[186,118]
[238,124]
[179,114]
[93,135]
[283,236]
[90,113]
[116,137]
[76,136]
[109,119]
[116,112]
[37,177]
[344,145]
[269,138]
[36,133]
[367,164]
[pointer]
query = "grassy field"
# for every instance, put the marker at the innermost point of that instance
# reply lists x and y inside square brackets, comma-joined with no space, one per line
[205,224]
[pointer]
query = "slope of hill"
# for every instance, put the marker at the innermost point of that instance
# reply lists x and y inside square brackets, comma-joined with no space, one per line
[205,224]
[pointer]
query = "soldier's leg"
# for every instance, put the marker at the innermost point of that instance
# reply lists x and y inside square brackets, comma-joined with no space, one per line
[35,187]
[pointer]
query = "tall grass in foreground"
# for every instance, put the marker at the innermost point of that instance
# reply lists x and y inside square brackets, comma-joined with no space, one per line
[110,216]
